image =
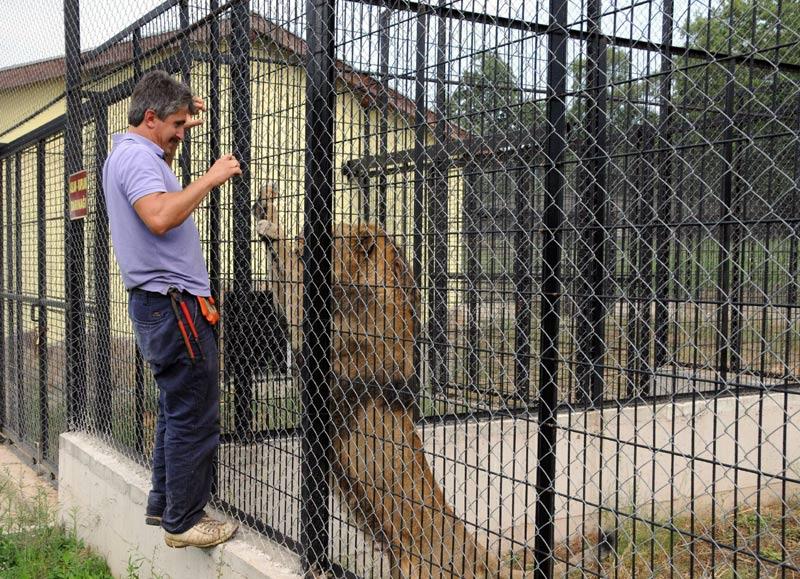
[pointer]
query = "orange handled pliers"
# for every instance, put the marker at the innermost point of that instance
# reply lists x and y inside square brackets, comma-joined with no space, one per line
[209,309]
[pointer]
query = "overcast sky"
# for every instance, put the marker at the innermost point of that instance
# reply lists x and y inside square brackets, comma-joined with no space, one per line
[32,30]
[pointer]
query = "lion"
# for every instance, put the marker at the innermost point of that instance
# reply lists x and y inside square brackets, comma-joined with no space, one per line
[379,463]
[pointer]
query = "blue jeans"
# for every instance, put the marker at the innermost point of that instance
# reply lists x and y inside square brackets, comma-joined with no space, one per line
[187,430]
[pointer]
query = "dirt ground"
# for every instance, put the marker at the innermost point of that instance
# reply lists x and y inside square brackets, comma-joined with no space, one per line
[23,476]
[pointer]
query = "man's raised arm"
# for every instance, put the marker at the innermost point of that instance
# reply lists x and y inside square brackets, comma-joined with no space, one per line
[166,210]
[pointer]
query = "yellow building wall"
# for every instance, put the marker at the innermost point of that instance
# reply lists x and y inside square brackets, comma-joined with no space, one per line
[277,155]
[19,103]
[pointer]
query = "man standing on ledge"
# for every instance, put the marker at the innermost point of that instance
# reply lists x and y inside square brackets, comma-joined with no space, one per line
[157,246]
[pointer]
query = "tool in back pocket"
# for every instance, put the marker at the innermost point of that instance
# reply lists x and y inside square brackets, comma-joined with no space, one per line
[209,309]
[179,308]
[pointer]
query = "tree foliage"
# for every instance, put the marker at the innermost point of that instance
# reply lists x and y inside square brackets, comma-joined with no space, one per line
[488,99]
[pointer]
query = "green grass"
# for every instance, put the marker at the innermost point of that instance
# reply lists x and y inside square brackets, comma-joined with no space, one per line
[34,545]
[765,539]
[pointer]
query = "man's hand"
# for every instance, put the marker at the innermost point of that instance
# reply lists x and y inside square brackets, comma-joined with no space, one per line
[191,121]
[223,169]
[162,211]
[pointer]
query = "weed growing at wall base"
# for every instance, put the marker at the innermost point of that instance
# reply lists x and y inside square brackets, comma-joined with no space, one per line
[34,545]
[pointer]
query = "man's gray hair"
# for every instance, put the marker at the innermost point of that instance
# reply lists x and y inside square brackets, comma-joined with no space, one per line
[160,93]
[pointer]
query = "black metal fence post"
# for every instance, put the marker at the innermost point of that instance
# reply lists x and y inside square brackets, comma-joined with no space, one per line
[186,72]
[19,352]
[472,271]
[420,133]
[593,266]
[552,219]
[136,49]
[3,363]
[438,196]
[725,352]
[138,361]
[664,198]
[214,207]
[724,290]
[383,103]
[102,295]
[317,298]
[138,400]
[641,257]
[242,269]
[793,289]
[8,365]
[41,277]
[523,278]
[73,230]
[365,206]
[214,218]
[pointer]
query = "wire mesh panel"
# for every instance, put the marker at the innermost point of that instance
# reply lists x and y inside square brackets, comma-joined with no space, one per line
[121,392]
[507,288]
[53,360]
[33,392]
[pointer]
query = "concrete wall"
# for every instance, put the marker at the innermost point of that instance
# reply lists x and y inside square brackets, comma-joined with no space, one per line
[103,494]
[637,459]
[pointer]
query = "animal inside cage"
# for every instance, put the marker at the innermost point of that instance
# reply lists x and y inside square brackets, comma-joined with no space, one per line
[572,338]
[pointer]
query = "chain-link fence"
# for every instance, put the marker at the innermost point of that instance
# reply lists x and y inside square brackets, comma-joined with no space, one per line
[507,288]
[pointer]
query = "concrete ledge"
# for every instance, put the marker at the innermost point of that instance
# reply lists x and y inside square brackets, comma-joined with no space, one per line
[102,496]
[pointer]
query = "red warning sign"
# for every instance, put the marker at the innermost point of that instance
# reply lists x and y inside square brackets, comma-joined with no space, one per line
[78,188]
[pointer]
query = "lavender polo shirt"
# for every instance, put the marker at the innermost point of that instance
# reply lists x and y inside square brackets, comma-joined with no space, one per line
[135,168]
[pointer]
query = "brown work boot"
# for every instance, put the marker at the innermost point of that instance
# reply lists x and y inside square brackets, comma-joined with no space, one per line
[207,532]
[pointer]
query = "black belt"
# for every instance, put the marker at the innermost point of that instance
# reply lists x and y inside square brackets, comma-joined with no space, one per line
[138,290]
